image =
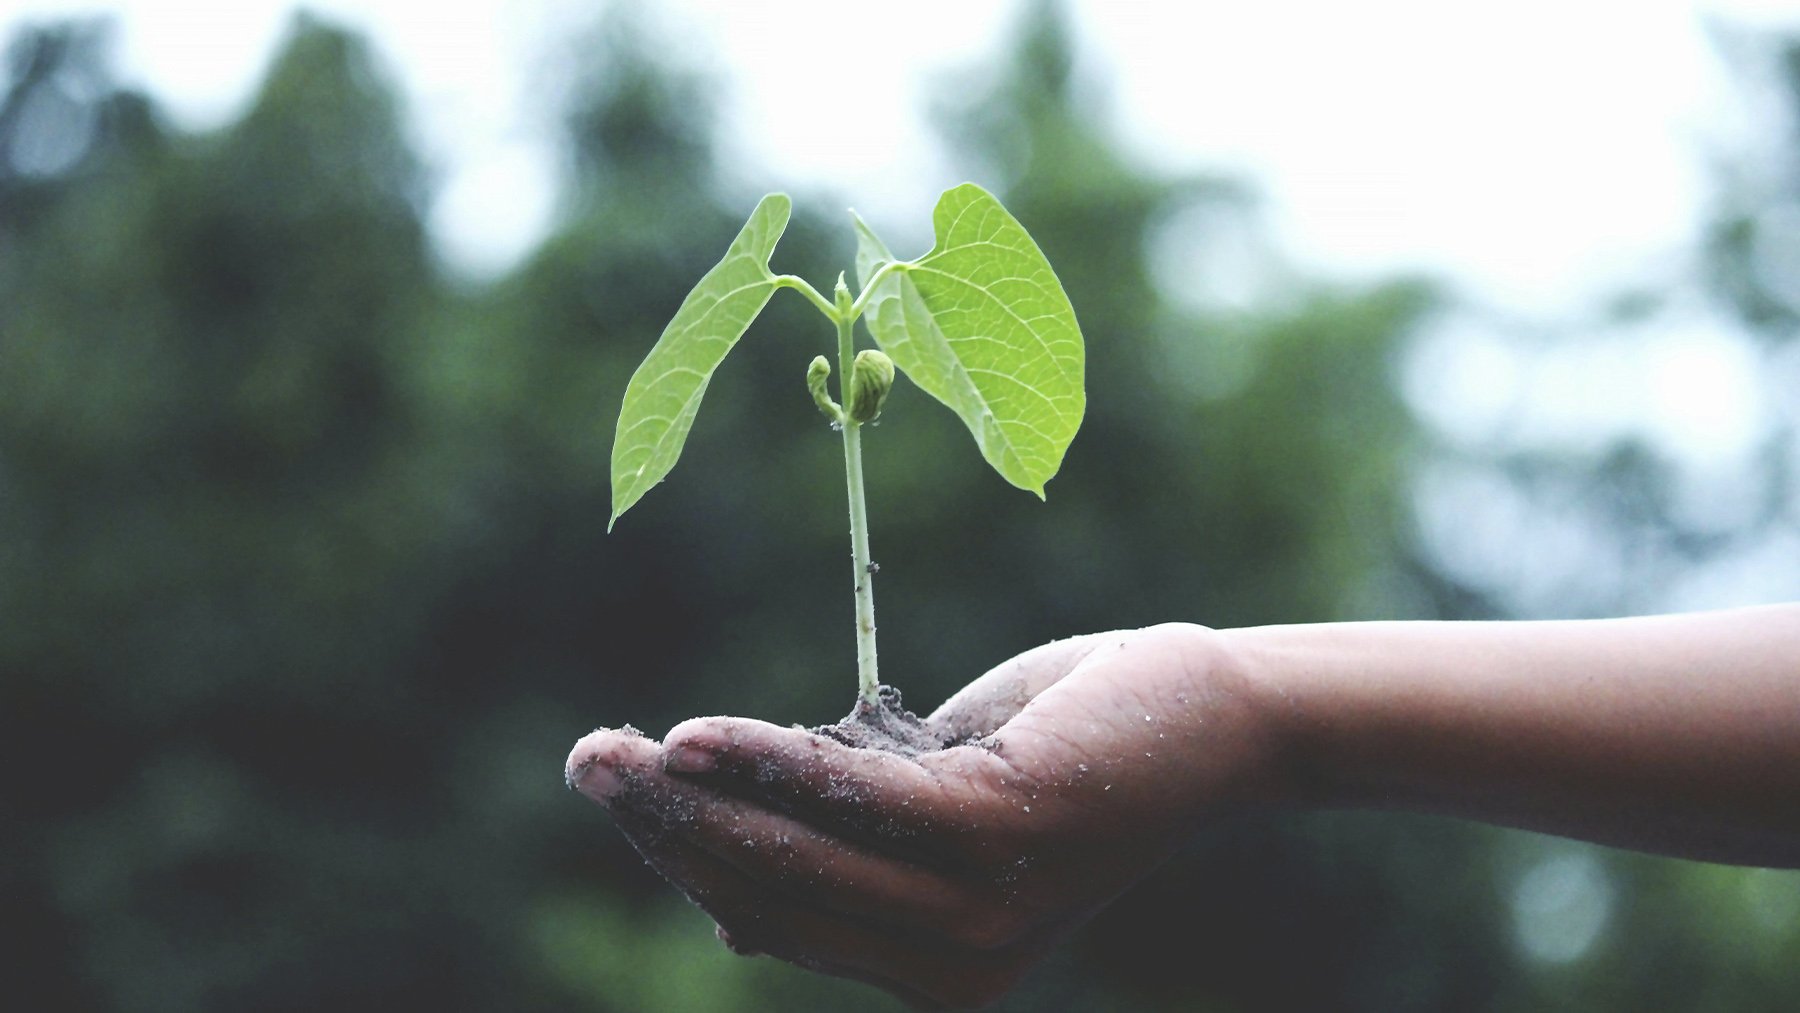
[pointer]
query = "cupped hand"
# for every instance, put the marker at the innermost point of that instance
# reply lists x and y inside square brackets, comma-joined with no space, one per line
[944,877]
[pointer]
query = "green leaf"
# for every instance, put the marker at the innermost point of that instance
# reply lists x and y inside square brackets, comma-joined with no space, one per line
[982,324]
[664,394]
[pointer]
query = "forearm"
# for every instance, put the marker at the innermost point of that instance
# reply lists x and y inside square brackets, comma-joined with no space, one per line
[1673,734]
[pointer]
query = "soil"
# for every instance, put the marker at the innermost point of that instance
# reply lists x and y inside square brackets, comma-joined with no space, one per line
[888,726]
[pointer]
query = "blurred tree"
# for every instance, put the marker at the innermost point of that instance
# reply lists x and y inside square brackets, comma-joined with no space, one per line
[214,531]
[1751,248]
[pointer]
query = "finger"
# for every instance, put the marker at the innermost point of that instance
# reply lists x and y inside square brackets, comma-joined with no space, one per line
[806,865]
[861,794]
[605,758]
[926,973]
[756,920]
[788,857]
[740,948]
[750,920]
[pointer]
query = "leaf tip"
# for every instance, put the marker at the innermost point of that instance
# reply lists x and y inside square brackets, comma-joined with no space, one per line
[966,188]
[780,205]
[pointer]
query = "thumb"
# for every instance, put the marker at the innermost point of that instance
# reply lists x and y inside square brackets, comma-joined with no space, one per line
[983,706]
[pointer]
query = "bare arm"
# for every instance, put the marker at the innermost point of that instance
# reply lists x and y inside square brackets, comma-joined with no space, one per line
[1672,734]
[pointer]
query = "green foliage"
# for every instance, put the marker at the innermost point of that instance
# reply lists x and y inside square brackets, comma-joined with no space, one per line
[982,324]
[664,394]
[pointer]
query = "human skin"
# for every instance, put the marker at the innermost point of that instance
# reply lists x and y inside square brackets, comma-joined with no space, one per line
[944,878]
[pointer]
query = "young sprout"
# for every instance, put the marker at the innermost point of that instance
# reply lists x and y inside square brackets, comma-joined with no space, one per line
[980,322]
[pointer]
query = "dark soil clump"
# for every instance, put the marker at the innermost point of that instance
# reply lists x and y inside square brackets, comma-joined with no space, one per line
[887,726]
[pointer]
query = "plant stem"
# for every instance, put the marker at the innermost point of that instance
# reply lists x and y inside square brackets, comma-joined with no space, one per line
[867,679]
[880,275]
[812,295]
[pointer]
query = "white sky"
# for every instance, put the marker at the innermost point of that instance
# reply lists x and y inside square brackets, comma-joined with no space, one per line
[1528,150]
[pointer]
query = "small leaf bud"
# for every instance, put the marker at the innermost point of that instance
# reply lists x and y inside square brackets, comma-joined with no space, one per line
[816,375]
[871,377]
[840,294]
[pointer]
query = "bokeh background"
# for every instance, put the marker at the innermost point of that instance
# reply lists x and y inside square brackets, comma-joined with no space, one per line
[306,591]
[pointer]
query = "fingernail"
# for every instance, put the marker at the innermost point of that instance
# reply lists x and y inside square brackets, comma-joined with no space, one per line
[596,780]
[689,760]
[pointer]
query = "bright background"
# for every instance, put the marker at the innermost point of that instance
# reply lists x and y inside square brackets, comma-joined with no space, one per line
[1465,144]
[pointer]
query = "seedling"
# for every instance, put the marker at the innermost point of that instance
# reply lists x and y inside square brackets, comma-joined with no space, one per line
[980,323]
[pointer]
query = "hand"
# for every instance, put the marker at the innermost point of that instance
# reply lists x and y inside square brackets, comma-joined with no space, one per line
[943,878]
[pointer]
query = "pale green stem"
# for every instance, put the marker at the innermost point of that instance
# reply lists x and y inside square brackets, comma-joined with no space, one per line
[887,268]
[812,295]
[843,311]
[867,679]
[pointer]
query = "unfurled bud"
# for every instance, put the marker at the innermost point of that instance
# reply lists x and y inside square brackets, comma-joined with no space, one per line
[816,375]
[871,377]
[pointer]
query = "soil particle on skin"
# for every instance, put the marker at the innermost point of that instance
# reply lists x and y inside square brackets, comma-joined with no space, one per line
[888,726]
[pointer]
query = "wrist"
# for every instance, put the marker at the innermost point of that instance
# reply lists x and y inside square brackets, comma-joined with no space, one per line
[1267,672]
[1246,747]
